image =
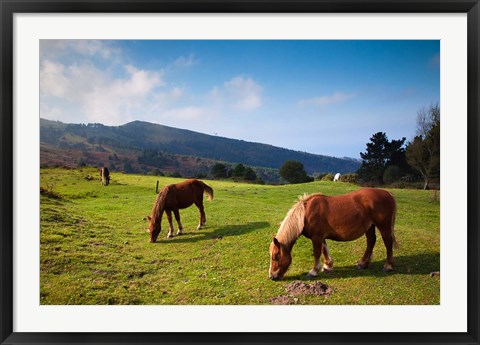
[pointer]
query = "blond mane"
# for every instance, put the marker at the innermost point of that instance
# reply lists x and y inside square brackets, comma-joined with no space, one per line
[157,210]
[292,225]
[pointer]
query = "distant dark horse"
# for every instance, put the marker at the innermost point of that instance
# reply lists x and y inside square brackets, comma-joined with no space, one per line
[340,218]
[105,174]
[174,197]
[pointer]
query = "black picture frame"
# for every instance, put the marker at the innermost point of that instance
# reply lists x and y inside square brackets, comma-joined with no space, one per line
[9,8]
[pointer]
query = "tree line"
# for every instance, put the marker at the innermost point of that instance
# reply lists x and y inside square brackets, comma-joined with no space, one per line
[391,161]
[238,172]
[386,162]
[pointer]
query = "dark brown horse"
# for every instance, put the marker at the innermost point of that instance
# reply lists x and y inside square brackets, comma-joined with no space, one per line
[174,197]
[340,218]
[105,175]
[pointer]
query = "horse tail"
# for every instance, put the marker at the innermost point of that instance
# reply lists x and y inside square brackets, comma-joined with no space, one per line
[208,190]
[394,214]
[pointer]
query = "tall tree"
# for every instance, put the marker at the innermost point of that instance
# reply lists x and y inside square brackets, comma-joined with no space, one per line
[423,153]
[380,154]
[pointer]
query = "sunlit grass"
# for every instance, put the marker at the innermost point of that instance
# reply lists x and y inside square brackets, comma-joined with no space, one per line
[95,249]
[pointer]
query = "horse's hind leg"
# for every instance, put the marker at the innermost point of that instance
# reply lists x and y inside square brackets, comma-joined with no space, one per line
[371,239]
[170,221]
[177,218]
[327,259]
[203,218]
[388,240]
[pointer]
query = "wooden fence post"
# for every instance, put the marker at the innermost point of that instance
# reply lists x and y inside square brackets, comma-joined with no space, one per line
[156,188]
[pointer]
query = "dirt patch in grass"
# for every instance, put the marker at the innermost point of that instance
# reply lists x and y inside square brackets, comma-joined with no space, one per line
[299,288]
[317,288]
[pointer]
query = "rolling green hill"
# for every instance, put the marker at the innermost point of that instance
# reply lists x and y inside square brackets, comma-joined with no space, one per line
[166,148]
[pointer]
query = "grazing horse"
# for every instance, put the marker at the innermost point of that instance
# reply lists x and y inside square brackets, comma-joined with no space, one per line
[340,218]
[105,174]
[174,197]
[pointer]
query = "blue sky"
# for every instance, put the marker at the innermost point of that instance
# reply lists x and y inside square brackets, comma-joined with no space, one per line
[324,97]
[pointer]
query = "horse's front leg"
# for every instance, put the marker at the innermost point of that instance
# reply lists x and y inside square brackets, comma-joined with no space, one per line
[170,222]
[177,218]
[317,252]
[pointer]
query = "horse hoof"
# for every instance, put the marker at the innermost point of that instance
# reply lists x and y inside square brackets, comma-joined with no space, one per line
[327,270]
[311,276]
[387,269]
[362,266]
[169,236]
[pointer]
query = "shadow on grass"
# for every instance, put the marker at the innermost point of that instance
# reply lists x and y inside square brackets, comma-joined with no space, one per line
[416,264]
[217,234]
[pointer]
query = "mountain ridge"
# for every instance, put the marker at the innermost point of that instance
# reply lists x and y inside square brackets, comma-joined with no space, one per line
[136,139]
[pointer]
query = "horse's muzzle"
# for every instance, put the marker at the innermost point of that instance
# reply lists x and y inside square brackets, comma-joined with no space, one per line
[275,278]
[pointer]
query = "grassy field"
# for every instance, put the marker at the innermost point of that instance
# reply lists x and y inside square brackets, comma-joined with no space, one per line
[95,249]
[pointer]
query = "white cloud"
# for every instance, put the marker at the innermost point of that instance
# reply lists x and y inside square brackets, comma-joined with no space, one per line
[175,94]
[101,96]
[167,99]
[53,80]
[239,93]
[50,113]
[106,50]
[88,81]
[186,62]
[94,47]
[139,83]
[337,97]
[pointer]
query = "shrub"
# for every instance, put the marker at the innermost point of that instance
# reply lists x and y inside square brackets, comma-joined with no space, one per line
[349,178]
[328,177]
[238,170]
[155,172]
[249,174]
[219,170]
[294,172]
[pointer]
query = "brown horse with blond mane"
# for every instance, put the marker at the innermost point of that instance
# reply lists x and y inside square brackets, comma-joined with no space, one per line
[174,197]
[340,218]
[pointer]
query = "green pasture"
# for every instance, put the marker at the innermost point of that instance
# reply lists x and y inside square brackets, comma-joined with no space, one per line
[94,248]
